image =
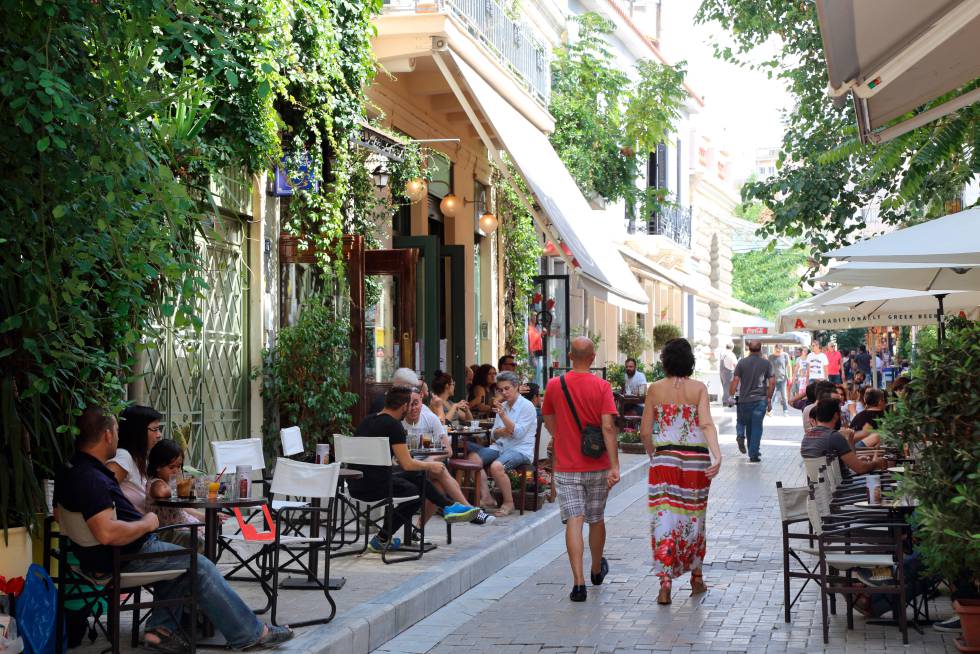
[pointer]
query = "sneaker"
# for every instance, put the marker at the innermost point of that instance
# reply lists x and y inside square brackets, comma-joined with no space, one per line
[578,594]
[740,440]
[483,518]
[459,513]
[377,545]
[951,626]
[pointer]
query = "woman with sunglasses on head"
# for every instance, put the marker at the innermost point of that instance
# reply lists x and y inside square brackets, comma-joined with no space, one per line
[139,430]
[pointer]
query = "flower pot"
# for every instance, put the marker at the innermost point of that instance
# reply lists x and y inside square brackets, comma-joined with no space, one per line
[16,552]
[632,448]
[969,612]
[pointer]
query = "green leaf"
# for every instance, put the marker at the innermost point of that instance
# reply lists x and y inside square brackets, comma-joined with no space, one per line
[43,143]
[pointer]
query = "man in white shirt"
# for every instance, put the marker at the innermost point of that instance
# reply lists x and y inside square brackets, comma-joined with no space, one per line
[422,420]
[726,370]
[512,434]
[634,383]
[816,363]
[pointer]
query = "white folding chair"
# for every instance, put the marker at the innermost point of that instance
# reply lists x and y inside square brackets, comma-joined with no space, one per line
[376,452]
[292,441]
[294,479]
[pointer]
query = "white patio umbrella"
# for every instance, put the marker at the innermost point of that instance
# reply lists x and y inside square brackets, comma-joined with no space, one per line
[846,307]
[950,240]
[911,276]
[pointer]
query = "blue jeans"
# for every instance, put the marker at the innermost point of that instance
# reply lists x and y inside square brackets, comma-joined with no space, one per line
[223,607]
[748,418]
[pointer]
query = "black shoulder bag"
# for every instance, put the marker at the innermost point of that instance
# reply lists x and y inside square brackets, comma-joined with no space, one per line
[593,445]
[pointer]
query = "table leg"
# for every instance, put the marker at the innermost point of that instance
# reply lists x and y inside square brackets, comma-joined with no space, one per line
[211,552]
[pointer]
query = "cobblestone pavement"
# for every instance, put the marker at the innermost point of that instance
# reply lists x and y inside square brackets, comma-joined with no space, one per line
[525,608]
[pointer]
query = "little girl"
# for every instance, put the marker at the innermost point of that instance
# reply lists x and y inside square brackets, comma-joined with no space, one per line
[164,463]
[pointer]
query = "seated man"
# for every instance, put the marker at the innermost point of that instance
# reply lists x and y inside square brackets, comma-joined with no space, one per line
[865,423]
[824,440]
[512,437]
[373,486]
[88,487]
[635,383]
[417,418]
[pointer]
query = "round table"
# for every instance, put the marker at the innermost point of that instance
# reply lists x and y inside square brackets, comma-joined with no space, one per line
[211,509]
[455,434]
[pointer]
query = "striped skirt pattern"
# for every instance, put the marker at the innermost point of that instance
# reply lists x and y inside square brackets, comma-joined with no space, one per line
[678,501]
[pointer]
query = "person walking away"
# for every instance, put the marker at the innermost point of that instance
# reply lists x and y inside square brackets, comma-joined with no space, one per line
[833,363]
[682,442]
[779,362]
[583,482]
[754,383]
[816,363]
[726,369]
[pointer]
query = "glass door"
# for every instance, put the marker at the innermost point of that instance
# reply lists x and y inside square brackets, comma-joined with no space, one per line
[548,324]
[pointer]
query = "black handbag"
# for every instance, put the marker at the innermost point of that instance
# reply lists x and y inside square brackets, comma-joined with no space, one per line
[593,444]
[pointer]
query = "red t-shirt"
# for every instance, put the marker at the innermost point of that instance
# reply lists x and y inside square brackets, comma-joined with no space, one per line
[593,399]
[833,362]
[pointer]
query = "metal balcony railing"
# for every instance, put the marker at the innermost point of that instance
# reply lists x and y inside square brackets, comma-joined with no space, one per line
[672,221]
[514,43]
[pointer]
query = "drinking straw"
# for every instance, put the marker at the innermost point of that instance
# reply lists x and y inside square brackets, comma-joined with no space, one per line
[218,478]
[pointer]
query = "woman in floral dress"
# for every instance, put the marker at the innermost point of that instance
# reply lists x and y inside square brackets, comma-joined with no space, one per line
[682,443]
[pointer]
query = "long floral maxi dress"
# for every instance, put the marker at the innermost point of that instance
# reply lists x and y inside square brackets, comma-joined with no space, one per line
[678,495]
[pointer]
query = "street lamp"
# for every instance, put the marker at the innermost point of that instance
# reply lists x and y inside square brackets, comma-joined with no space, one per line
[488,223]
[450,205]
[415,189]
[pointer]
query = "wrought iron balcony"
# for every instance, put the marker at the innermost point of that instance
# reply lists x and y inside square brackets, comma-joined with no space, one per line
[513,42]
[672,221]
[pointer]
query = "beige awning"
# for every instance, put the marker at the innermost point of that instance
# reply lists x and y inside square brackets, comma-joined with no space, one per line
[894,56]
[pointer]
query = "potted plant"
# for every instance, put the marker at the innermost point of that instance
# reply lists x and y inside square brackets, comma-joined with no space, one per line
[938,421]
[629,442]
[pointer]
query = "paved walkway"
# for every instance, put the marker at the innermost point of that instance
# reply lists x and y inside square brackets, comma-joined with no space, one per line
[525,608]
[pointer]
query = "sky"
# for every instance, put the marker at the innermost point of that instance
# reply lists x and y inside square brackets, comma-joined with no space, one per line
[742,107]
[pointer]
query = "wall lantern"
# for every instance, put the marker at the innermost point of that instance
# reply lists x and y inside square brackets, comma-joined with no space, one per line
[381,176]
[416,189]
[488,223]
[450,205]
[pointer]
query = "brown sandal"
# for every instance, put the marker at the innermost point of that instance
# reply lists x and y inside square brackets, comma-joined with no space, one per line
[664,596]
[697,584]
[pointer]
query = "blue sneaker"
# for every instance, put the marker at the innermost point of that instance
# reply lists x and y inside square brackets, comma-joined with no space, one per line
[459,513]
[377,545]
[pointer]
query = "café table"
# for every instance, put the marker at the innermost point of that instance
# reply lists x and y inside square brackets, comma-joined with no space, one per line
[334,583]
[465,432]
[211,509]
[212,527]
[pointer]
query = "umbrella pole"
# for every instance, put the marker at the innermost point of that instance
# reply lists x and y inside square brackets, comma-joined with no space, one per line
[941,327]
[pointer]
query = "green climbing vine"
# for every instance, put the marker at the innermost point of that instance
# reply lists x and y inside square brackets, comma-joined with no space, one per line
[522,250]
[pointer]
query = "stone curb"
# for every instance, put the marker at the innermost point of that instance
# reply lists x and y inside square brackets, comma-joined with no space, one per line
[367,626]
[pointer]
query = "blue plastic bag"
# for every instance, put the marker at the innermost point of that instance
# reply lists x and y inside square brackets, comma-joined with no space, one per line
[36,611]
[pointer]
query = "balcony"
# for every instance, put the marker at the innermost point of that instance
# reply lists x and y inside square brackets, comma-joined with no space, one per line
[671,221]
[512,42]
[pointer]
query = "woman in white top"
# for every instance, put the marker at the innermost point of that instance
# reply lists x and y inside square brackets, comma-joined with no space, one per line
[139,431]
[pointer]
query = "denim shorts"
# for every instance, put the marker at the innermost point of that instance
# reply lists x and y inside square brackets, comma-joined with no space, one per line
[509,459]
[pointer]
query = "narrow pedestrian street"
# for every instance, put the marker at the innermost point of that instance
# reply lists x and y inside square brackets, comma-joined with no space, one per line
[524,608]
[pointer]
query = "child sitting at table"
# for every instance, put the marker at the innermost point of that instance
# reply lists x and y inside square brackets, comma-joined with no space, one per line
[164,463]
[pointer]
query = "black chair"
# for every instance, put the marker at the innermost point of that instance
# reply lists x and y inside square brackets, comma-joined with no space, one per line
[74,583]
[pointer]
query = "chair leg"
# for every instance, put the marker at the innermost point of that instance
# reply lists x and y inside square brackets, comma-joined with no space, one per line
[113,617]
[823,600]
[134,639]
[523,492]
[449,533]
[786,589]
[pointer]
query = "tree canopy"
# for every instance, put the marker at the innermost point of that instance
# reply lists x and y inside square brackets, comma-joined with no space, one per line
[825,177]
[605,120]
[768,279]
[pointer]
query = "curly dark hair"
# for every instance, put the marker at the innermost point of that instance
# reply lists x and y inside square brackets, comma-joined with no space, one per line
[678,358]
[481,378]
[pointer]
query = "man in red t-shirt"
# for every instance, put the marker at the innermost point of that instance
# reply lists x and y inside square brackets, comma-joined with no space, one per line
[833,363]
[583,482]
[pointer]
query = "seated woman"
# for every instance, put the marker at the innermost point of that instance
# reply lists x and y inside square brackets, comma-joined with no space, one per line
[865,423]
[443,387]
[139,431]
[480,397]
